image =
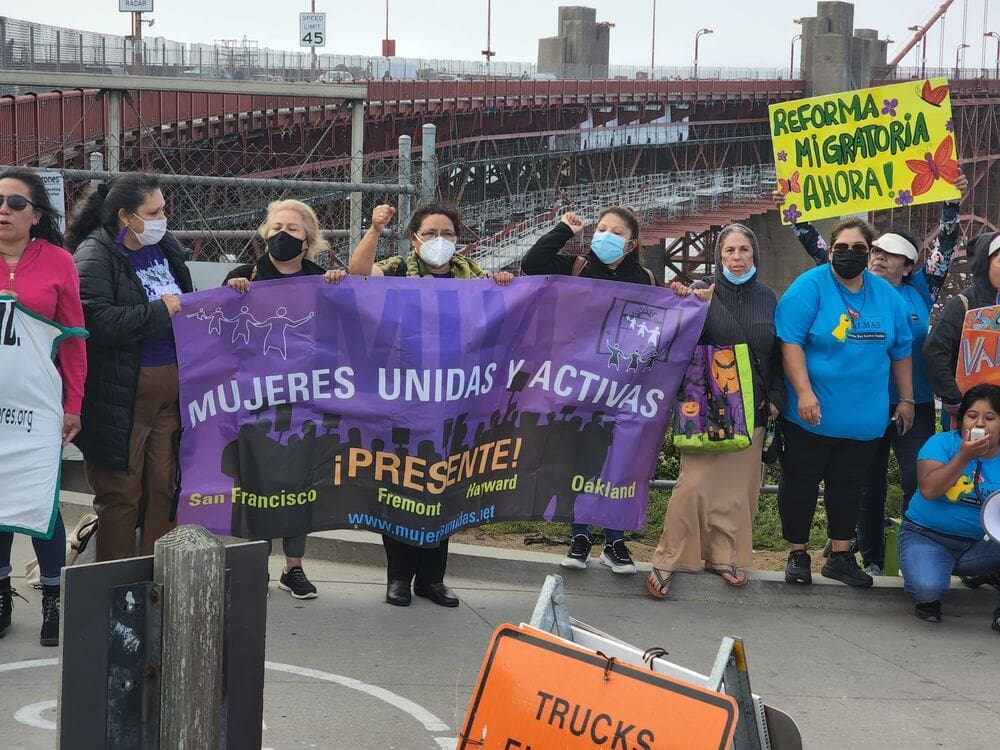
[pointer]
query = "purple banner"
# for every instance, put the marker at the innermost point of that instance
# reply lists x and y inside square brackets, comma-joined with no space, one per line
[417,408]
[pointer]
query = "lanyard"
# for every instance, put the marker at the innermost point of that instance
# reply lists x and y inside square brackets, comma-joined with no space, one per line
[855,314]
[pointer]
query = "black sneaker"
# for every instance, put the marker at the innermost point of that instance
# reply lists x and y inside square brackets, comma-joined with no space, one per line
[579,553]
[616,557]
[6,604]
[995,624]
[928,611]
[50,616]
[296,584]
[843,567]
[798,569]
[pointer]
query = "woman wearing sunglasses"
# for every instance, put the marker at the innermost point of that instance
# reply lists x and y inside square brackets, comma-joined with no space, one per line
[42,277]
[132,274]
[433,232]
[843,331]
[894,257]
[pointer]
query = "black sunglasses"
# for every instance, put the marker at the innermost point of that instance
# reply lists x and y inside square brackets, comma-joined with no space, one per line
[854,247]
[16,202]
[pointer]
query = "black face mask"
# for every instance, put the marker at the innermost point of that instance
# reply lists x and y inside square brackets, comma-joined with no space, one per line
[284,247]
[849,264]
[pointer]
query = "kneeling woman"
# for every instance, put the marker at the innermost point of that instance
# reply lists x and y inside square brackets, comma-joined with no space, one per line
[433,232]
[942,531]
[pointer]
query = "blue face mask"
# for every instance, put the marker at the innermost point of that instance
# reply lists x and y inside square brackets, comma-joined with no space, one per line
[607,247]
[739,279]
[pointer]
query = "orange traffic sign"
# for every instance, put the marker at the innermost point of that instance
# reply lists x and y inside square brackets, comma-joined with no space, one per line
[539,692]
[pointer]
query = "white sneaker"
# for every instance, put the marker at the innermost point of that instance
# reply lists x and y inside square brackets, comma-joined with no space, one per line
[578,554]
[617,557]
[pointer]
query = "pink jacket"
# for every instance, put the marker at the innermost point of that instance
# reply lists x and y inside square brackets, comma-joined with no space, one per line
[46,283]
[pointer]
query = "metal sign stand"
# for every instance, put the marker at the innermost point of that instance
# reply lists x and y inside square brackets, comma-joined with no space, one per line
[760,727]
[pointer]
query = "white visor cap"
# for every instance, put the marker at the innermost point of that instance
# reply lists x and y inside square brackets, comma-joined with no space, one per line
[994,245]
[897,245]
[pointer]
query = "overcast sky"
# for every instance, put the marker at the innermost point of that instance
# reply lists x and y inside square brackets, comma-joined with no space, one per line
[748,33]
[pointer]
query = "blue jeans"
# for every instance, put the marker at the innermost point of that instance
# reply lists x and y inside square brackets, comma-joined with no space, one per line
[928,559]
[871,530]
[610,535]
[51,553]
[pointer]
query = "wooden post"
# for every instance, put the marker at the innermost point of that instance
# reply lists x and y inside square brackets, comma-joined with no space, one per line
[189,563]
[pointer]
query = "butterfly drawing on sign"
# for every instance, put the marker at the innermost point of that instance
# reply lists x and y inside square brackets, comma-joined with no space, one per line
[940,166]
[934,96]
[791,185]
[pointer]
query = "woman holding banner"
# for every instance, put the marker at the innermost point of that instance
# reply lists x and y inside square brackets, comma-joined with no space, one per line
[614,255]
[433,232]
[293,238]
[41,276]
[840,325]
[709,520]
[894,257]
[132,273]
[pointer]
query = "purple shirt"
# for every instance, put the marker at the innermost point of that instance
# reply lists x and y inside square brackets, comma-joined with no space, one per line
[157,279]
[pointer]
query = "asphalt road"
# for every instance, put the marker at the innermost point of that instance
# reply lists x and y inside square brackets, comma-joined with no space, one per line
[348,671]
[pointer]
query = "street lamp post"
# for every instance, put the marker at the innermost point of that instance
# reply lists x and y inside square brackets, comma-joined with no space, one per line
[996,36]
[652,52]
[923,48]
[488,53]
[958,53]
[698,36]
[791,60]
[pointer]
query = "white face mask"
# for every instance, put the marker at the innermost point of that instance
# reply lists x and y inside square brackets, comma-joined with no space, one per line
[153,231]
[437,252]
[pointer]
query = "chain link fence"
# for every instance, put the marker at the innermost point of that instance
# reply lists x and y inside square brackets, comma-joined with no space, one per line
[217,216]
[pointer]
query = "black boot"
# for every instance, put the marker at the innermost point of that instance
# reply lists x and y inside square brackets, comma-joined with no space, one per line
[50,616]
[6,604]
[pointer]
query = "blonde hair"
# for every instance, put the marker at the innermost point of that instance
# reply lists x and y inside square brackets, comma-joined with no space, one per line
[315,241]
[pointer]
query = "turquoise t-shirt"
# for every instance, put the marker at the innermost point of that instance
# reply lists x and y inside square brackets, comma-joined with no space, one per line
[957,511]
[847,355]
[918,303]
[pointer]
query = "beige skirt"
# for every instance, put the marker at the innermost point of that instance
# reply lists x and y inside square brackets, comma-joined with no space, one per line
[711,510]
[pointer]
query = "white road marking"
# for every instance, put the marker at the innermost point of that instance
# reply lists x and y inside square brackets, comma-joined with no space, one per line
[32,715]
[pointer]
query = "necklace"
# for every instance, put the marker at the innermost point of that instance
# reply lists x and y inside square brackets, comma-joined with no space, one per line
[855,314]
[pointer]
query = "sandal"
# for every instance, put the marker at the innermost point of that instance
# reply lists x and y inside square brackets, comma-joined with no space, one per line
[730,574]
[657,584]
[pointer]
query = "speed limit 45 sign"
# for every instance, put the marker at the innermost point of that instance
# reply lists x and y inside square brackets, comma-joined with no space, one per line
[312,29]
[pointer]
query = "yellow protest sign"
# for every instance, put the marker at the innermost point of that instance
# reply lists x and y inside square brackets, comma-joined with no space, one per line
[883,147]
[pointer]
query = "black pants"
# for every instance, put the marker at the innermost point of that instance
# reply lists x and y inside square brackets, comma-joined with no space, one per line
[842,466]
[871,532]
[404,561]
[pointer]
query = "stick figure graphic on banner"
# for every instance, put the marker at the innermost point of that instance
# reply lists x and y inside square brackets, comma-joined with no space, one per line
[616,356]
[636,326]
[279,321]
[214,319]
[243,320]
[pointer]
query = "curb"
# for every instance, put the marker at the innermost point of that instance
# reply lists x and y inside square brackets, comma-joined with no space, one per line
[498,568]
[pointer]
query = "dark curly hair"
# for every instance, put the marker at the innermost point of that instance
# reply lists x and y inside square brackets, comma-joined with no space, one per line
[429,209]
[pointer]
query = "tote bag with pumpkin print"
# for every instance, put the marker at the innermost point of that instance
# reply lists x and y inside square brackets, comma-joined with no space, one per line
[715,411]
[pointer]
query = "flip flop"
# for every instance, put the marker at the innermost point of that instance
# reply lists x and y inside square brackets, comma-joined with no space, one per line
[729,574]
[661,588]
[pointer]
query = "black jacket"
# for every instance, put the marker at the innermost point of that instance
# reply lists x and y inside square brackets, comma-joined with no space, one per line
[119,316]
[744,313]
[941,345]
[267,272]
[544,258]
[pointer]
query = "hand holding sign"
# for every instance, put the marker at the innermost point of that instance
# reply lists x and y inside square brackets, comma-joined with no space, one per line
[883,147]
